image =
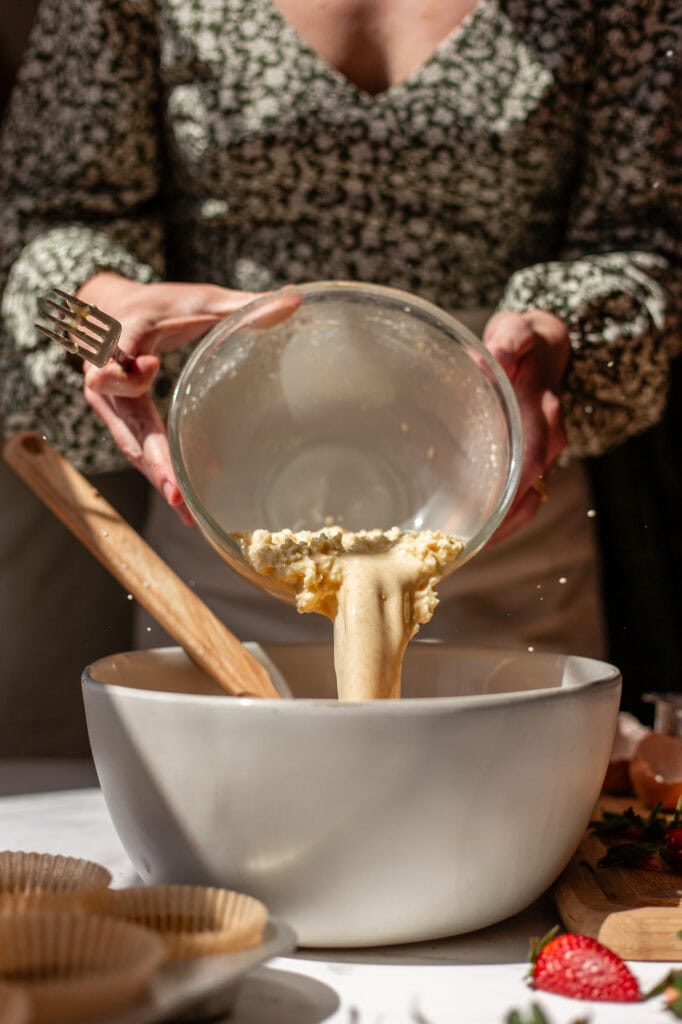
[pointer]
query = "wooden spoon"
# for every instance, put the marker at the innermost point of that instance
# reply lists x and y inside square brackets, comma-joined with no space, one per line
[129,558]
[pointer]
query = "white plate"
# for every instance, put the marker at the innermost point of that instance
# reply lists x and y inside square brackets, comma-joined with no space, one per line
[203,986]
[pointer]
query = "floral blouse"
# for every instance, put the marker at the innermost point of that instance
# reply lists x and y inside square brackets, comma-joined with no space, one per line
[534,160]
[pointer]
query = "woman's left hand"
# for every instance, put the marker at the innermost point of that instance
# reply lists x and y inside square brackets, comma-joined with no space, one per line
[533,348]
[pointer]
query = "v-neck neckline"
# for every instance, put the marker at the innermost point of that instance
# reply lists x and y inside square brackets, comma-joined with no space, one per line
[333,74]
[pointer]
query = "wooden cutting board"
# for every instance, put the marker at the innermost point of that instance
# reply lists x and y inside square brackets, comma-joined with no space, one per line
[635,913]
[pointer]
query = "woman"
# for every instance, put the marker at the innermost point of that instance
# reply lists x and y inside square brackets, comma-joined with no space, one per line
[513,161]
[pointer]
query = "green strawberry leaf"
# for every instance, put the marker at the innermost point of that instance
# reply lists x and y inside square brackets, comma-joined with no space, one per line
[615,823]
[672,982]
[537,945]
[628,855]
[675,1006]
[536,1016]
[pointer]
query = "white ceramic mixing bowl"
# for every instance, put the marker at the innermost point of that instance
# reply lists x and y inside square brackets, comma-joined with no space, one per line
[358,824]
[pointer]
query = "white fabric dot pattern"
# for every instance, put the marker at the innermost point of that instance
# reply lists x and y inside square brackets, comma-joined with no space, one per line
[516,168]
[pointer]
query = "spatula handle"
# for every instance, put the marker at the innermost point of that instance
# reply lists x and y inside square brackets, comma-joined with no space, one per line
[130,559]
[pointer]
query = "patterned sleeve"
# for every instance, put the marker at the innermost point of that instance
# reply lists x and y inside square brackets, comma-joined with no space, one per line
[618,280]
[79,176]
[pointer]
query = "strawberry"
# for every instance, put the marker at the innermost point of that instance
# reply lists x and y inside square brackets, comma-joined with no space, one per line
[672,846]
[581,967]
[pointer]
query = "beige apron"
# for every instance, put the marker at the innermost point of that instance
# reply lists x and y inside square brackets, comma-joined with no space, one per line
[538,588]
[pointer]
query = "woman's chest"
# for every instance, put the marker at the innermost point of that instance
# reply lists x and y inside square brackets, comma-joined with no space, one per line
[251,103]
[374,44]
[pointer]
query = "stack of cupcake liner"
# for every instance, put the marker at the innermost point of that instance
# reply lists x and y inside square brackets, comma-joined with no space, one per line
[73,948]
[193,920]
[45,881]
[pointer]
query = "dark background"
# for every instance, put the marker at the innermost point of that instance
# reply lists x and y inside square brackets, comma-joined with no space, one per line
[16,17]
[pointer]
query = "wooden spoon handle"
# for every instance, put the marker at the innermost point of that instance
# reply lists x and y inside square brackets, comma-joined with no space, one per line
[129,558]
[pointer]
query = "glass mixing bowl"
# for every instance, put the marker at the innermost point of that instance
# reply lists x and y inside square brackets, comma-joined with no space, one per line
[366,408]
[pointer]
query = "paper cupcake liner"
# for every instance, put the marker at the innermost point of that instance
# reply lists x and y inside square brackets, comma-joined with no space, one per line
[40,899]
[73,965]
[23,873]
[193,920]
[15,1006]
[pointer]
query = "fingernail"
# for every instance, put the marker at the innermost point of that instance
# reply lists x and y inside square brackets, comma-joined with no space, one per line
[168,490]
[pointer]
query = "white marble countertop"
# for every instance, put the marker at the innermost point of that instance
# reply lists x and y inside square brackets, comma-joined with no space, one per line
[472,979]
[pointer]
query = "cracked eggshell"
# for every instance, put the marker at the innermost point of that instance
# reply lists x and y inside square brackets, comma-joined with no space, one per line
[656,770]
[629,734]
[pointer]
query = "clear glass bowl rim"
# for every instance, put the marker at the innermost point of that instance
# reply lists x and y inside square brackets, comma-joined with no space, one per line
[362,291]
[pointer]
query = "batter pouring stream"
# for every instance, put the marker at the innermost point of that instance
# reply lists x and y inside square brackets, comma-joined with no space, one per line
[378,587]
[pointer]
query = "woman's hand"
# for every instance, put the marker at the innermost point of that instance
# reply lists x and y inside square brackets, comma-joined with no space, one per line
[533,348]
[156,318]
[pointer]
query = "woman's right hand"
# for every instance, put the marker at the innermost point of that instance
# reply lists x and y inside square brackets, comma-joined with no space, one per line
[533,348]
[157,318]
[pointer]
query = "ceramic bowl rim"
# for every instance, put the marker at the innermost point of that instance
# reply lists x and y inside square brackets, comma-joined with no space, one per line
[405,707]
